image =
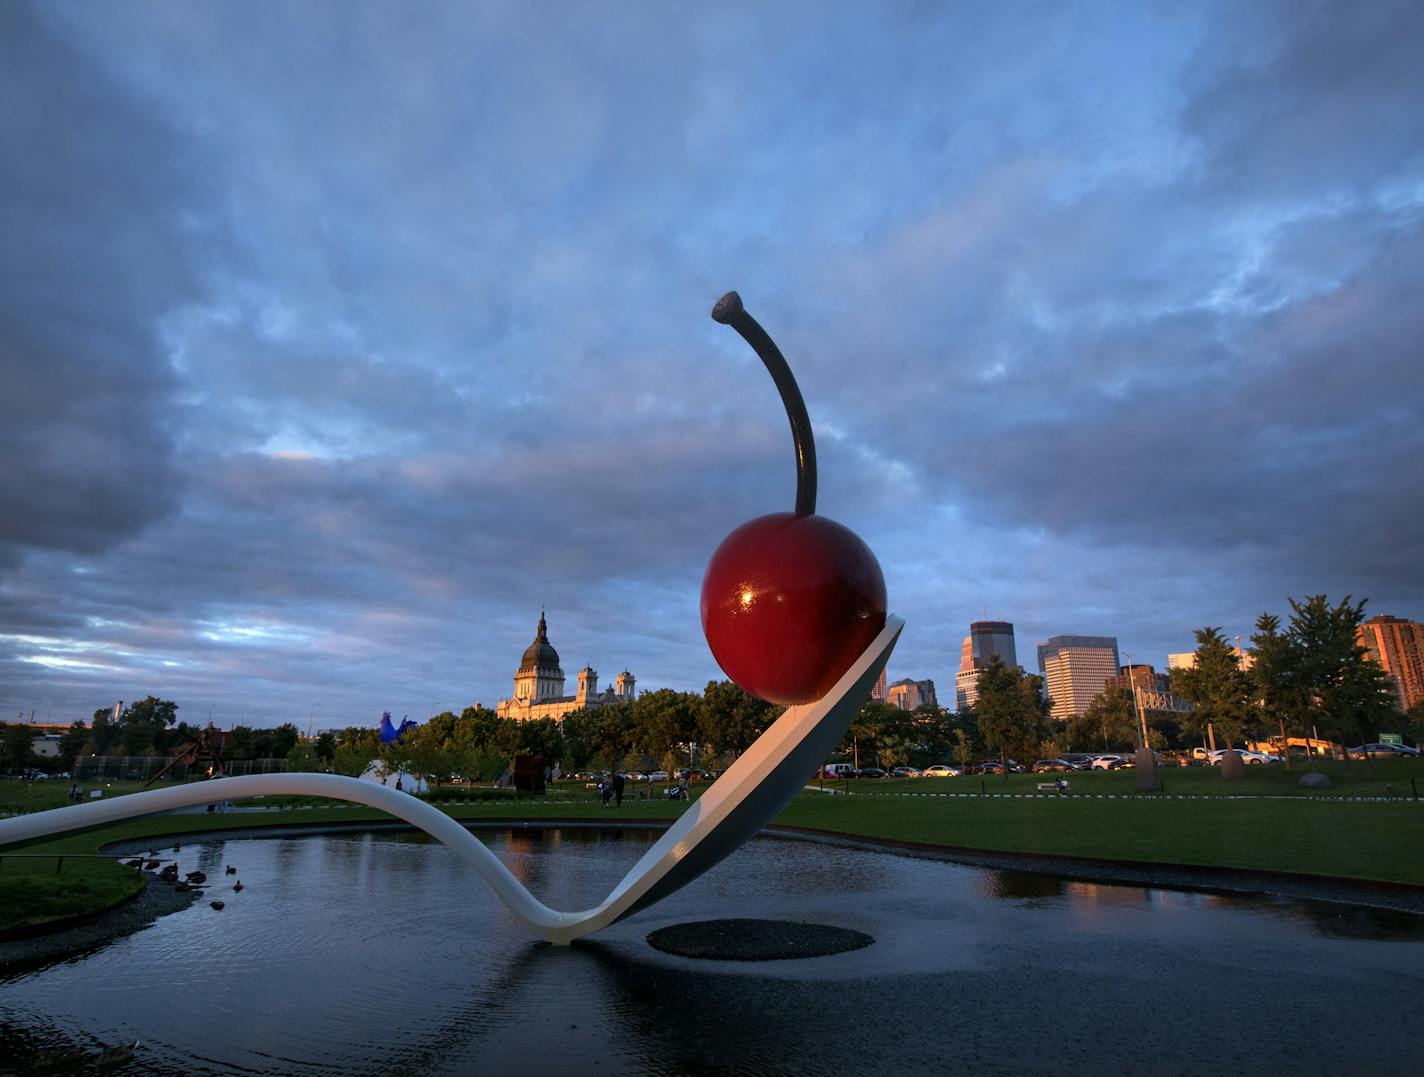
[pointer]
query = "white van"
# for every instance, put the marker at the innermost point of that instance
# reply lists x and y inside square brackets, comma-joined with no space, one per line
[837,770]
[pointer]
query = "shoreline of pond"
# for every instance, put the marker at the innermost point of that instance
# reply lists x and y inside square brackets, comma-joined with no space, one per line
[41,946]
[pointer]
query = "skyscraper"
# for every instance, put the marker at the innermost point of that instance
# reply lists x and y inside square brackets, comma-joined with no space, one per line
[1150,690]
[877,694]
[1397,645]
[908,694]
[986,640]
[1075,669]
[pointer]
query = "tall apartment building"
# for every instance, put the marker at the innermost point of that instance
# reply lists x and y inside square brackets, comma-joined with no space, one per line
[877,694]
[1188,659]
[986,640]
[1075,669]
[1151,690]
[908,694]
[1397,645]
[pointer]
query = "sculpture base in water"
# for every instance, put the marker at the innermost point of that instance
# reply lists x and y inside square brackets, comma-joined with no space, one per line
[756,940]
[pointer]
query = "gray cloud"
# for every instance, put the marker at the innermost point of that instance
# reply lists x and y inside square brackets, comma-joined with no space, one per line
[337,342]
[95,196]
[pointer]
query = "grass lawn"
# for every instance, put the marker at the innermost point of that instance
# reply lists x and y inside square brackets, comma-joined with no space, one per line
[1383,842]
[1321,835]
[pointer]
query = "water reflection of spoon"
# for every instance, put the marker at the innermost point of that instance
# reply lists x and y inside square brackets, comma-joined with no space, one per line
[751,792]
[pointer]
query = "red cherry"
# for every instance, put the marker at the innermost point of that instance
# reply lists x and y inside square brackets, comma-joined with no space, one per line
[789,602]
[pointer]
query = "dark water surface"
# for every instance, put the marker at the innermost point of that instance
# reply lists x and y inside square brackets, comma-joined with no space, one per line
[382,954]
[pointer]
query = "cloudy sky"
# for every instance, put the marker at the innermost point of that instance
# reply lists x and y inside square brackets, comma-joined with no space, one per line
[335,341]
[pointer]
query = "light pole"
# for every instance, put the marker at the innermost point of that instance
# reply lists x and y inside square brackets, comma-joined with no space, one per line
[1136,702]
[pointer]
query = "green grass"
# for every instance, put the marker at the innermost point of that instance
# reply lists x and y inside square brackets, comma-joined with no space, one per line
[1383,842]
[38,889]
[18,796]
[1372,841]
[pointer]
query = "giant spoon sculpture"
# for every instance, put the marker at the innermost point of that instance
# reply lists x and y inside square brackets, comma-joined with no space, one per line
[793,605]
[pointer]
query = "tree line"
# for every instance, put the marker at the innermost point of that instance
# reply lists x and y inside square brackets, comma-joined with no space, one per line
[1309,675]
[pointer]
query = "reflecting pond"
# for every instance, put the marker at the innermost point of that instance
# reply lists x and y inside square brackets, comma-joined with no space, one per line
[381,953]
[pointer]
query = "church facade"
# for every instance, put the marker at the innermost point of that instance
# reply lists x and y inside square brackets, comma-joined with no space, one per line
[539,685]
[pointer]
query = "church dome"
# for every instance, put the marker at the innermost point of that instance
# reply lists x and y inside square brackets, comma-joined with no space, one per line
[540,654]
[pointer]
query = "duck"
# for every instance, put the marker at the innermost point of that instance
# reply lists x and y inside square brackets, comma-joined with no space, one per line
[237,887]
[111,1056]
[231,870]
[216,904]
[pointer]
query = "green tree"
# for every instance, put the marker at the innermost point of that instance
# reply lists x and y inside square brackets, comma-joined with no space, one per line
[1275,681]
[1111,717]
[578,730]
[239,743]
[542,737]
[19,741]
[428,750]
[1012,712]
[666,723]
[72,742]
[326,746]
[963,747]
[612,733]
[103,732]
[480,726]
[859,739]
[274,743]
[303,757]
[1414,724]
[1342,690]
[160,713]
[897,737]
[1219,690]
[355,748]
[730,720]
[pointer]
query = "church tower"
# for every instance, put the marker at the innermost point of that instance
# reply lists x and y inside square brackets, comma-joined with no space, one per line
[623,686]
[539,675]
[588,685]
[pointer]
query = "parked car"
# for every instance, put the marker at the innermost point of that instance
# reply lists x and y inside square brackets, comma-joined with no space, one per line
[941,770]
[994,766]
[1260,757]
[1053,766]
[658,776]
[906,772]
[1081,760]
[1110,762]
[836,770]
[1249,758]
[870,772]
[1400,751]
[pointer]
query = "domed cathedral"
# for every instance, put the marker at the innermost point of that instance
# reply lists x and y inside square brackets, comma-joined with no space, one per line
[539,684]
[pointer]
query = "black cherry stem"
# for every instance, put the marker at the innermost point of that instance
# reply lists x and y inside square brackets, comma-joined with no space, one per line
[729,311]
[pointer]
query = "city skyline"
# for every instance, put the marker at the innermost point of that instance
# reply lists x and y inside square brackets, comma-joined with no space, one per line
[322,371]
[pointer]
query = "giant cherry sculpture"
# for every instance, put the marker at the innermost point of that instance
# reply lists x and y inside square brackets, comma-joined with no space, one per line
[792,599]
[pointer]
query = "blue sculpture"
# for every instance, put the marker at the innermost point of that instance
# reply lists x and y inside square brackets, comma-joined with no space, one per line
[390,734]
